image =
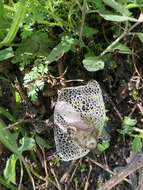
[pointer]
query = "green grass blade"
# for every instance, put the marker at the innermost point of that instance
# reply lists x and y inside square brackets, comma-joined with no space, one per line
[7,138]
[16,23]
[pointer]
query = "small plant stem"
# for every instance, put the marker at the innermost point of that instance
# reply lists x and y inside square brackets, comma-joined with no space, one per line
[119,38]
[84,11]
[21,176]
[28,171]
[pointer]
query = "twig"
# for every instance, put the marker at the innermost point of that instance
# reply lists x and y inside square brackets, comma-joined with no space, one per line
[87,181]
[73,173]
[134,63]
[45,167]
[56,179]
[140,186]
[134,165]
[113,105]
[119,38]
[106,169]
[66,175]
[20,121]
[21,176]
[28,171]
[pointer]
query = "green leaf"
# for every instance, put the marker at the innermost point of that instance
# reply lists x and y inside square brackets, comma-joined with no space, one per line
[6,53]
[93,63]
[17,97]
[89,32]
[117,18]
[1,9]
[10,170]
[7,114]
[27,143]
[58,51]
[118,7]
[16,23]
[129,122]
[7,138]
[140,35]
[103,146]
[121,48]
[137,144]
[6,184]
[42,142]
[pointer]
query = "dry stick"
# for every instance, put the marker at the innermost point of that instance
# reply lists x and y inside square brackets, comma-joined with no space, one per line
[73,173]
[119,38]
[66,175]
[134,165]
[106,169]
[140,186]
[45,166]
[56,179]
[87,181]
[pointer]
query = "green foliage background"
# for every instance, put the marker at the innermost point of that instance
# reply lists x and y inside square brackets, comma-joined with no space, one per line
[35,34]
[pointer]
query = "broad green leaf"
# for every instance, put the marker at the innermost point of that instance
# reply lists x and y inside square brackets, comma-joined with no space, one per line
[27,143]
[140,35]
[121,48]
[137,144]
[6,53]
[10,169]
[7,138]
[103,146]
[89,32]
[6,114]
[118,7]
[129,121]
[42,142]
[117,18]
[6,184]
[93,63]
[57,52]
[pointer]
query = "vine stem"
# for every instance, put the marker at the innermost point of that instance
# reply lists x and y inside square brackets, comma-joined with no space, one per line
[84,11]
[119,38]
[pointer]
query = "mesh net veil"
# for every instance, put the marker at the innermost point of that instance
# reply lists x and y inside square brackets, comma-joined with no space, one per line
[83,102]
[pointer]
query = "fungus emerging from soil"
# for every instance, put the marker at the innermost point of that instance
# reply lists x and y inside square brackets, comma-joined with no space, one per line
[79,118]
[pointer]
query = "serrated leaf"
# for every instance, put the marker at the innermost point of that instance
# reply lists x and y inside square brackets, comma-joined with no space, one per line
[137,145]
[140,35]
[10,169]
[27,143]
[42,142]
[6,53]
[57,52]
[93,63]
[121,48]
[117,18]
